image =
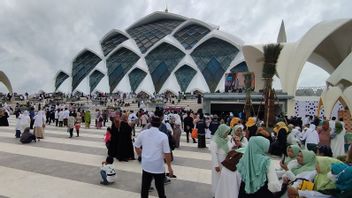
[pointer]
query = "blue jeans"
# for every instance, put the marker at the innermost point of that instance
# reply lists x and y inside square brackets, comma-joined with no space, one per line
[18,133]
[103,177]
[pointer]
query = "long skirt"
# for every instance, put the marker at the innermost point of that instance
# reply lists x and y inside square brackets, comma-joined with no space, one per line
[338,144]
[177,135]
[229,184]
[39,132]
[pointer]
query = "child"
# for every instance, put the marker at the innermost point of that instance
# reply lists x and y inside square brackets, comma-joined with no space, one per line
[27,136]
[70,124]
[107,171]
[77,127]
[107,137]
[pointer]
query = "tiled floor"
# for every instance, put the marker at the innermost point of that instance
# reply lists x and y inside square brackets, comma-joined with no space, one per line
[59,166]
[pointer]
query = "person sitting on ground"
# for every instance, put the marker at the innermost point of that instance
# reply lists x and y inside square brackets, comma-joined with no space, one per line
[342,175]
[291,160]
[107,171]
[27,136]
[323,185]
[306,167]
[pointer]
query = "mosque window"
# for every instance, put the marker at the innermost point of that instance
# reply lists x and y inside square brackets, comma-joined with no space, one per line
[213,57]
[136,77]
[184,76]
[118,64]
[60,78]
[82,66]
[190,35]
[112,41]
[94,79]
[148,34]
[242,67]
[161,62]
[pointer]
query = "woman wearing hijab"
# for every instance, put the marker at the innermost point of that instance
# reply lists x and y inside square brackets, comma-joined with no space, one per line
[306,166]
[257,170]
[125,146]
[251,127]
[115,136]
[238,140]
[218,148]
[39,123]
[25,120]
[338,142]
[87,119]
[234,121]
[311,138]
[323,185]
[290,161]
[342,175]
[279,146]
[291,136]
[3,117]
[229,181]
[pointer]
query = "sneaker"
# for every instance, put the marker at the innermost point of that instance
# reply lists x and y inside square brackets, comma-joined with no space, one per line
[167,181]
[171,177]
[103,183]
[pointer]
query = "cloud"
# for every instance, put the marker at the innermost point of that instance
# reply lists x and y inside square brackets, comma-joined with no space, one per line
[40,37]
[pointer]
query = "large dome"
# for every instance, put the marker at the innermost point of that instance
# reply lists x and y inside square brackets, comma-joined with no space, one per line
[161,52]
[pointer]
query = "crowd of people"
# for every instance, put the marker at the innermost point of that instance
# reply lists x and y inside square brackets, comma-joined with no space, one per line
[313,160]
[312,151]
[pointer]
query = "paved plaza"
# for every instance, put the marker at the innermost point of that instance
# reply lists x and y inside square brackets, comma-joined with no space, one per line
[58,166]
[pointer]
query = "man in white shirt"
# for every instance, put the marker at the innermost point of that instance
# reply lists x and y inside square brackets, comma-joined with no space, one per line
[153,146]
[65,116]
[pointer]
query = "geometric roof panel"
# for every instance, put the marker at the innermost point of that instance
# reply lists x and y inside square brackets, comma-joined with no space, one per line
[213,57]
[118,64]
[148,34]
[82,65]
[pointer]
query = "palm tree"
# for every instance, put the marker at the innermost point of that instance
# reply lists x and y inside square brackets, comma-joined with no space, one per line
[271,55]
[248,90]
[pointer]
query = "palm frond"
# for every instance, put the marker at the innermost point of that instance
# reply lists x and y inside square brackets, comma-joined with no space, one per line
[271,55]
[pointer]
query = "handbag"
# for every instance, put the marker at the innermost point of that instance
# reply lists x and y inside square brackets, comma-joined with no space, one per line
[231,160]
[194,134]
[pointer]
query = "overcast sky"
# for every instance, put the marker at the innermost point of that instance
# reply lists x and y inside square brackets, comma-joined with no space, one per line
[40,37]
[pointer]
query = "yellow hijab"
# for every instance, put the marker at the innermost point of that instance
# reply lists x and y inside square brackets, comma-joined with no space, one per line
[279,126]
[234,121]
[250,122]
